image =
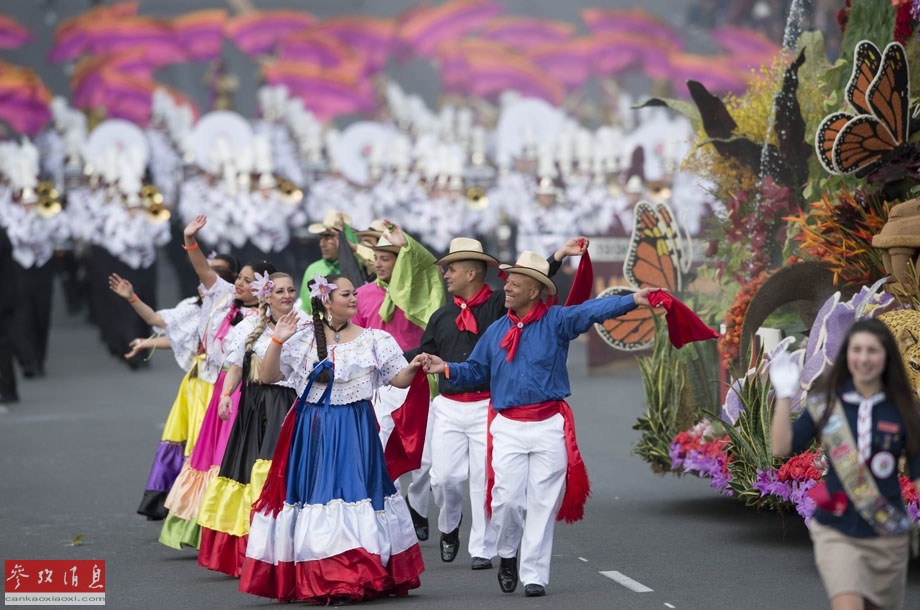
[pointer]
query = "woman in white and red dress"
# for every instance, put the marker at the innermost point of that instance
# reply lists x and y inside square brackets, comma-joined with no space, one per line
[329,525]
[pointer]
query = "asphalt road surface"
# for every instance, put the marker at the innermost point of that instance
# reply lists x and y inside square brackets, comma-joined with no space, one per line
[76,451]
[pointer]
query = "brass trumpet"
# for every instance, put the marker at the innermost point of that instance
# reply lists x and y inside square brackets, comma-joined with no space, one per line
[476,198]
[152,200]
[49,203]
[290,192]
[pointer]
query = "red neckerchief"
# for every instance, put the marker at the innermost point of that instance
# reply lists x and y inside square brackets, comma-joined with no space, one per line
[513,336]
[466,320]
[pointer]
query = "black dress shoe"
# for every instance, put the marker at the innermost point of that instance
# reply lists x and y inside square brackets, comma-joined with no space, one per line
[420,523]
[508,574]
[534,590]
[450,544]
[481,563]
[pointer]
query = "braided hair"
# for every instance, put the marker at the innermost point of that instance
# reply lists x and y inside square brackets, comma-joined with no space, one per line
[254,336]
[320,334]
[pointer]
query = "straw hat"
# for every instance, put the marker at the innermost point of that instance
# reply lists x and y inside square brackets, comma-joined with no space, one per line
[466,249]
[386,245]
[532,265]
[330,220]
[373,232]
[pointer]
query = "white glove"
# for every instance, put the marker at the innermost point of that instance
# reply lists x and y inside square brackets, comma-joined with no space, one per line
[784,375]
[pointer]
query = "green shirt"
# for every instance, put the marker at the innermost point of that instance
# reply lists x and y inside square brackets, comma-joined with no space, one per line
[321,267]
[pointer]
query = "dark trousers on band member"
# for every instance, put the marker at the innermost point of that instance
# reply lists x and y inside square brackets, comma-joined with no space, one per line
[8,297]
[32,316]
[7,374]
[118,323]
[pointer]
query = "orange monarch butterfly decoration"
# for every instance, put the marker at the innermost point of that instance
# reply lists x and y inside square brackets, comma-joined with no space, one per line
[656,258]
[879,91]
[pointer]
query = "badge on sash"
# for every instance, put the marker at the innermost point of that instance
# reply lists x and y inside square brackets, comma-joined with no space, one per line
[883,464]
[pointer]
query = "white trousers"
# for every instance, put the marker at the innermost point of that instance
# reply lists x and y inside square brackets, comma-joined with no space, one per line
[529,460]
[389,399]
[458,454]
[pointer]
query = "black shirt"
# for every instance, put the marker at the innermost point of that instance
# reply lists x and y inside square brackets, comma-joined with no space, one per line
[442,338]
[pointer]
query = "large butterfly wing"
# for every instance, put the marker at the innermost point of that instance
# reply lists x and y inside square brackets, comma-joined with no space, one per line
[826,136]
[864,140]
[867,60]
[889,92]
[629,332]
[654,255]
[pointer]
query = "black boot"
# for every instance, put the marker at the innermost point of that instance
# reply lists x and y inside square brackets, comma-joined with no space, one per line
[420,523]
[508,574]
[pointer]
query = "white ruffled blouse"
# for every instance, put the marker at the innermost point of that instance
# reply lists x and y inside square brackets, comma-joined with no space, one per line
[361,366]
[237,349]
[182,330]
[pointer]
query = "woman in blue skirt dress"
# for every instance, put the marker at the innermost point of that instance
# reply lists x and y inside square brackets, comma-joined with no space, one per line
[329,525]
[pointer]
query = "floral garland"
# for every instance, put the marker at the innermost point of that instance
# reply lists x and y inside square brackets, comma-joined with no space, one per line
[730,341]
[794,479]
[792,482]
[698,451]
[911,499]
[904,20]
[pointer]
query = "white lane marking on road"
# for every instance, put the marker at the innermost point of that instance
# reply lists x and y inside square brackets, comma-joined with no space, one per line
[583,559]
[626,581]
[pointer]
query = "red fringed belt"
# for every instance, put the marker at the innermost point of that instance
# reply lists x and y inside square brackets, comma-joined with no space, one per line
[577,485]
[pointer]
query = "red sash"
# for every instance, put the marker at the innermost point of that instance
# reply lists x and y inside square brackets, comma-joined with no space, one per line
[468,396]
[577,485]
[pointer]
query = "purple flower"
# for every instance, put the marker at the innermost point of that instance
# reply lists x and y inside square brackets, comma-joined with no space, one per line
[768,484]
[321,289]
[804,505]
[262,286]
[674,453]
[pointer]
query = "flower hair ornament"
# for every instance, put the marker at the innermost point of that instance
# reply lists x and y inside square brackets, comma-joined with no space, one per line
[321,289]
[262,286]
[212,256]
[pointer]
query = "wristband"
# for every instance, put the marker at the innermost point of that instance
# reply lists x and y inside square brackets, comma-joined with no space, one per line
[446,371]
[133,299]
[190,248]
[276,342]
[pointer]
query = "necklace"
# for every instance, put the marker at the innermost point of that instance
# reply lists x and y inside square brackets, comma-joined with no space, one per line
[336,332]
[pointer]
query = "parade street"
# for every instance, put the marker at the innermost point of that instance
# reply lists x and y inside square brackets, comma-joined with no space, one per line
[77,449]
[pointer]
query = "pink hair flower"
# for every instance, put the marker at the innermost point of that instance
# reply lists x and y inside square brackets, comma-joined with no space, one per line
[262,286]
[321,289]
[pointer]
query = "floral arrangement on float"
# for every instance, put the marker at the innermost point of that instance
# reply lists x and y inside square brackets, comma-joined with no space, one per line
[808,243]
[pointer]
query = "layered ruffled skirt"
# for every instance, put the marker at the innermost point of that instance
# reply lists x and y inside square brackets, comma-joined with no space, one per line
[180,528]
[179,435]
[329,524]
[227,503]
